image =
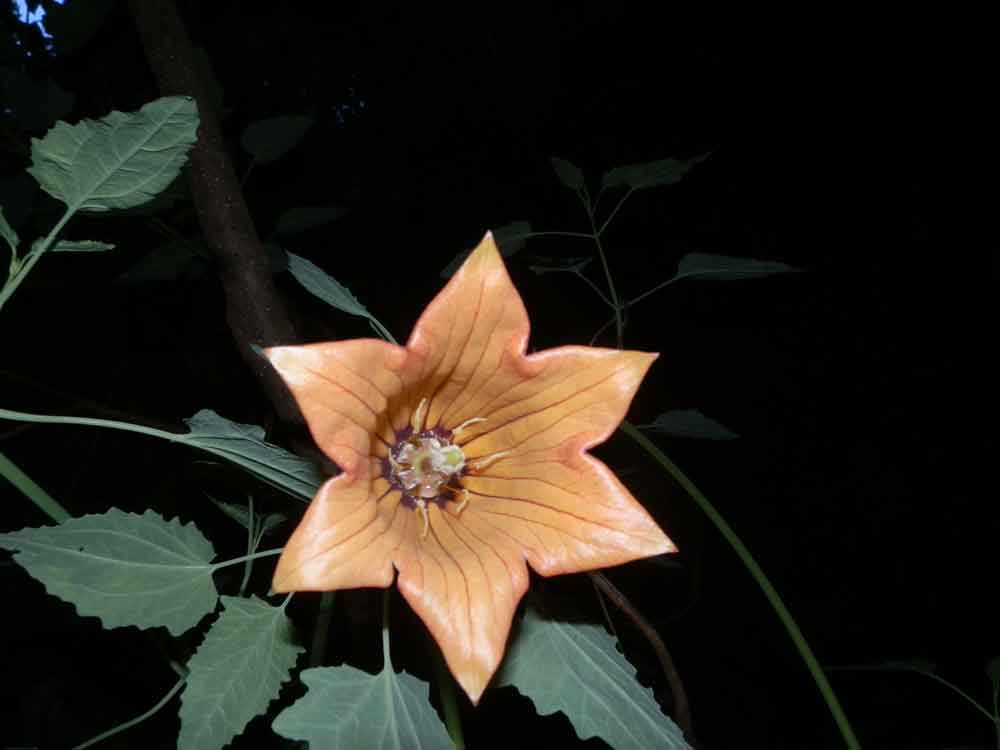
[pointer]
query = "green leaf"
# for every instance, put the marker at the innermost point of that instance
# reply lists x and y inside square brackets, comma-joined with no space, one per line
[271,139]
[993,669]
[8,233]
[510,238]
[271,522]
[236,672]
[302,219]
[244,444]
[548,264]
[321,284]
[124,568]
[81,246]
[347,708]
[575,668]
[167,262]
[690,423]
[34,104]
[568,173]
[73,24]
[650,174]
[120,161]
[728,268]
[239,513]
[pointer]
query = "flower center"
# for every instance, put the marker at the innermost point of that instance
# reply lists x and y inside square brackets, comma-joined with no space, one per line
[426,465]
[424,462]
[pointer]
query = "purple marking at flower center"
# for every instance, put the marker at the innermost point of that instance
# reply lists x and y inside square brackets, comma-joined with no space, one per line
[424,467]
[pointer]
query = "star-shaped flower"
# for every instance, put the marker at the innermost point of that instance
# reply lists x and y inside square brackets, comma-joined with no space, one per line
[463,459]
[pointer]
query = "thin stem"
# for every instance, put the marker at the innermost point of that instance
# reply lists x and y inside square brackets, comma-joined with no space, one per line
[287,599]
[251,547]
[386,656]
[615,301]
[132,722]
[596,288]
[958,690]
[682,709]
[449,700]
[656,288]
[238,560]
[18,416]
[579,235]
[318,650]
[45,502]
[32,258]
[601,330]
[614,210]
[825,689]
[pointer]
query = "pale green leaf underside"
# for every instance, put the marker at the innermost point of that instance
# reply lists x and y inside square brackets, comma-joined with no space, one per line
[120,161]
[124,568]
[245,445]
[348,708]
[690,423]
[575,668]
[727,267]
[236,672]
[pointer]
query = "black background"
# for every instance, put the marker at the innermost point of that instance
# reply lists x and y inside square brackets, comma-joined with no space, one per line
[855,481]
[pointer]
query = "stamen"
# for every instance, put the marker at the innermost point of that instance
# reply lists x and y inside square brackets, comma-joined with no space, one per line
[478,464]
[465,501]
[467,423]
[424,516]
[417,419]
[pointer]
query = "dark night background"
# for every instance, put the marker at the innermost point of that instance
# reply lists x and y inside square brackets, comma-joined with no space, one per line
[851,385]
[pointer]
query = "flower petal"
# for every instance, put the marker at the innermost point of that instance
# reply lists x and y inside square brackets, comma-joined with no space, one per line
[566,510]
[343,389]
[474,323]
[345,540]
[544,399]
[464,580]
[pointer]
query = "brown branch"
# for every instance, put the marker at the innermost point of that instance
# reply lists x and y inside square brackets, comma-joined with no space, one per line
[682,709]
[255,312]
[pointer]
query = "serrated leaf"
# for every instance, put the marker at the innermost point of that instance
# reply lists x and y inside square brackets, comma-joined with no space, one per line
[650,174]
[510,239]
[347,708]
[690,423]
[124,568]
[81,246]
[728,268]
[575,668]
[236,672]
[120,161]
[34,104]
[271,139]
[322,285]
[245,445]
[73,24]
[549,264]
[303,218]
[8,233]
[568,173]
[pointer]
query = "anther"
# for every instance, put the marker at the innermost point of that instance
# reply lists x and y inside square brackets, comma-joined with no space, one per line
[417,420]
[478,464]
[466,424]
[424,516]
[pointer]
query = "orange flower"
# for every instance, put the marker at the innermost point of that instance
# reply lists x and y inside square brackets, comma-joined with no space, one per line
[463,459]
